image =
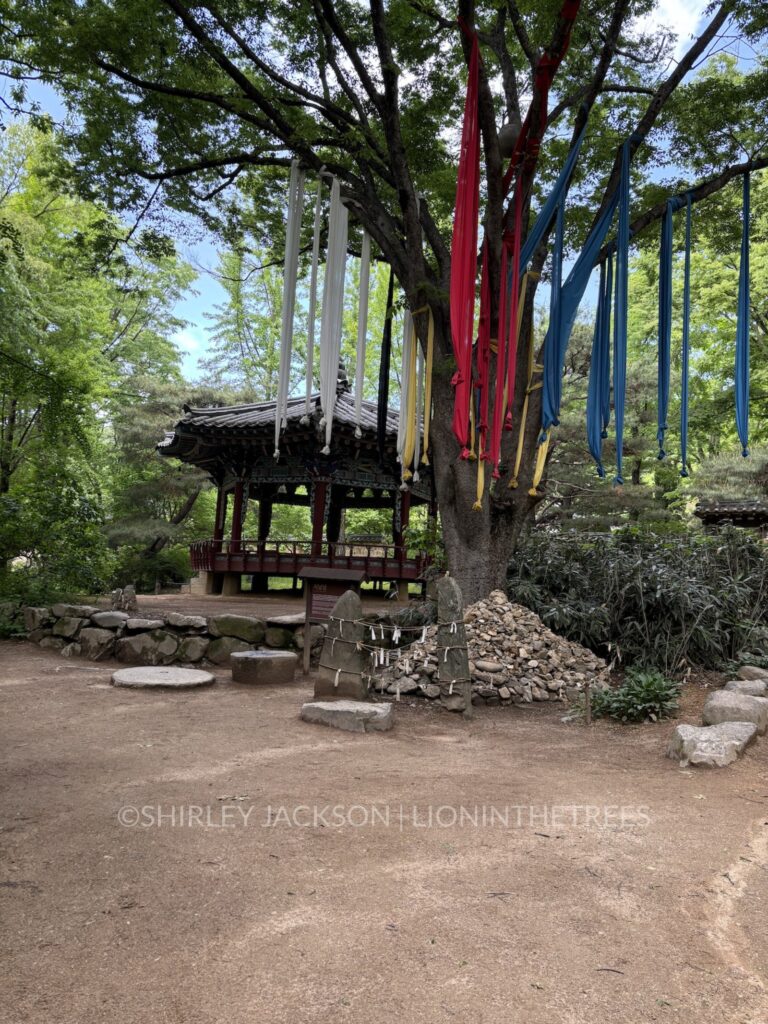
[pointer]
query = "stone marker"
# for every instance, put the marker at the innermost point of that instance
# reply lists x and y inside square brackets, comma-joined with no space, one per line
[713,746]
[350,715]
[453,659]
[727,706]
[752,672]
[244,627]
[163,676]
[341,664]
[752,687]
[264,667]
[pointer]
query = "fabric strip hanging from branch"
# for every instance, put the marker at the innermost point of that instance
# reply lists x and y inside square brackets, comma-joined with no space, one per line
[553,369]
[501,366]
[464,253]
[362,329]
[405,383]
[384,365]
[620,316]
[742,328]
[599,390]
[333,302]
[665,322]
[418,416]
[290,272]
[407,439]
[428,385]
[685,355]
[483,353]
[514,302]
[312,308]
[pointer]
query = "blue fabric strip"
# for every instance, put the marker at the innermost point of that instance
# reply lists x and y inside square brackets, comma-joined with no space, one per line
[599,390]
[620,316]
[665,323]
[742,330]
[686,343]
[553,375]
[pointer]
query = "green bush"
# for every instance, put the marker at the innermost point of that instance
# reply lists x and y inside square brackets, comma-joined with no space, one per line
[169,566]
[645,695]
[639,599]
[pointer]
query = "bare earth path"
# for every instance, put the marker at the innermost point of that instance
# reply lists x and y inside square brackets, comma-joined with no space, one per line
[230,920]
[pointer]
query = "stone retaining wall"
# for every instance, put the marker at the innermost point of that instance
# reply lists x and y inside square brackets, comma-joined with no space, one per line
[173,638]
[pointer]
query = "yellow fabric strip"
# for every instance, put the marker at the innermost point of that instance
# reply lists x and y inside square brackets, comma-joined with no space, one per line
[472,453]
[428,386]
[477,507]
[410,434]
[541,461]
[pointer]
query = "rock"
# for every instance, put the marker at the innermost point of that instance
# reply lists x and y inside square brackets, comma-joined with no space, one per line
[505,693]
[179,621]
[752,672]
[71,650]
[713,746]
[96,643]
[276,636]
[52,643]
[404,685]
[316,634]
[37,634]
[727,706]
[155,648]
[350,715]
[36,618]
[244,627]
[489,666]
[67,626]
[73,611]
[165,678]
[287,621]
[143,625]
[109,620]
[192,648]
[222,648]
[752,687]
[264,667]
[432,691]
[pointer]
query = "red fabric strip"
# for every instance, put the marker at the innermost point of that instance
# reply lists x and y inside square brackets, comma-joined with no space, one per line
[501,355]
[514,301]
[484,350]
[464,253]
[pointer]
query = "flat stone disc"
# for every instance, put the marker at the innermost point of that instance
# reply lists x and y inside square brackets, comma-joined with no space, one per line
[150,677]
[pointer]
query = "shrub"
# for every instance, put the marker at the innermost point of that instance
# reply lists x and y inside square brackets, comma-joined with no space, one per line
[640,599]
[645,695]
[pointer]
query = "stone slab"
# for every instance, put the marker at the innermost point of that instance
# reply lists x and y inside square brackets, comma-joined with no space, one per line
[752,672]
[162,676]
[713,746]
[243,627]
[73,611]
[68,626]
[143,625]
[110,620]
[349,715]
[263,667]
[752,687]
[287,621]
[179,621]
[728,706]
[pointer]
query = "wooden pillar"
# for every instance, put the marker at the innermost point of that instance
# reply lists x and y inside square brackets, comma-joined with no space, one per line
[401,517]
[221,516]
[237,518]
[335,511]
[319,493]
[265,518]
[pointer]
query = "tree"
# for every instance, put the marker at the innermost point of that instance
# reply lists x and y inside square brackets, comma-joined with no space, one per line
[192,97]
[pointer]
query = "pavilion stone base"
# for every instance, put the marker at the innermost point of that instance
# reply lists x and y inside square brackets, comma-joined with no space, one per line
[231,584]
[264,667]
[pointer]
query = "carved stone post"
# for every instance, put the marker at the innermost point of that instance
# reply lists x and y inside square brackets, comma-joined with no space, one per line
[453,658]
[342,665]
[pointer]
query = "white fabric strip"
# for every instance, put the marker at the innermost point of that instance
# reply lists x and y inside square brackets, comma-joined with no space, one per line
[311,314]
[333,305]
[405,384]
[419,403]
[362,328]
[290,271]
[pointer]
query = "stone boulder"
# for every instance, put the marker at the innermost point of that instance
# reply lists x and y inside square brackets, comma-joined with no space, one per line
[52,643]
[96,643]
[36,618]
[752,672]
[71,650]
[278,637]
[222,648]
[155,648]
[752,687]
[192,648]
[316,634]
[109,620]
[73,611]
[179,621]
[143,625]
[728,706]
[349,715]
[713,746]
[68,626]
[264,667]
[243,627]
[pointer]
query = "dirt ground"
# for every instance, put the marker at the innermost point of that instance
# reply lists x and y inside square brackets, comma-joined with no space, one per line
[266,907]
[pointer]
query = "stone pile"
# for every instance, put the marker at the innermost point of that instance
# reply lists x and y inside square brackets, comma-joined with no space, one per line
[513,658]
[172,638]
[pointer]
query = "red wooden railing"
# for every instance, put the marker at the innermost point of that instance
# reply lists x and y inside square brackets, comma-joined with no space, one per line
[288,557]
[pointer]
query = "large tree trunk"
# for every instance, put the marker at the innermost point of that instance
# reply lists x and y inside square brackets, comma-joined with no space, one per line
[480,543]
